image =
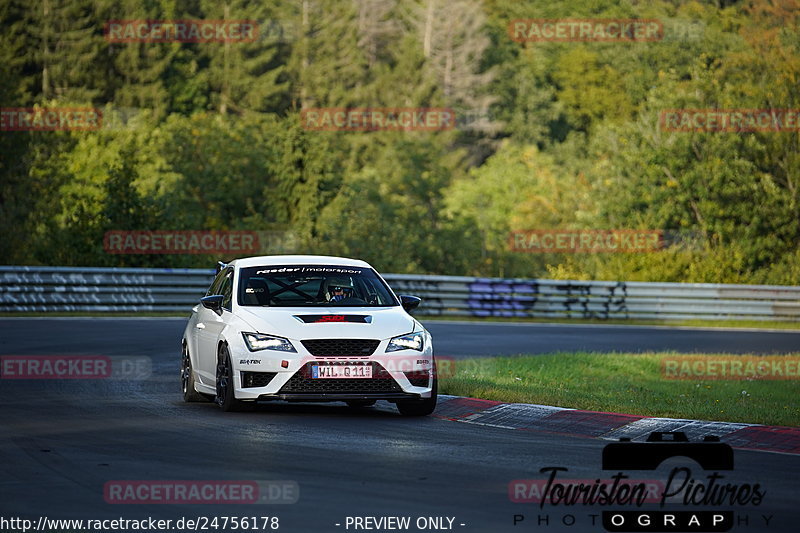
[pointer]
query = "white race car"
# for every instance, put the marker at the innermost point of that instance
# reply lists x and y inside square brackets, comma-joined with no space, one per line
[307,328]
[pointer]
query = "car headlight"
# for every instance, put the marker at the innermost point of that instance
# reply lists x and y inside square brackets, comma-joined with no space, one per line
[258,341]
[412,341]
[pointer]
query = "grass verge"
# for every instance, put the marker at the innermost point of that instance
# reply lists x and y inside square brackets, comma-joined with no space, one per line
[624,383]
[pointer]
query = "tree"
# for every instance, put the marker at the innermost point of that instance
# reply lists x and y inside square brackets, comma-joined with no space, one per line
[246,75]
[66,48]
[454,52]
[327,67]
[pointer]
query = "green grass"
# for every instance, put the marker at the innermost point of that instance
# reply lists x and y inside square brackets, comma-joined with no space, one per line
[623,383]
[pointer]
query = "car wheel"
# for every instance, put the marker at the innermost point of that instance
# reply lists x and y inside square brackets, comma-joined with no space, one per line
[225,383]
[187,378]
[356,404]
[420,407]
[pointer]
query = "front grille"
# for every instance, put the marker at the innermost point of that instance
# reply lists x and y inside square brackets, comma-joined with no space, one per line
[341,347]
[418,378]
[256,379]
[303,383]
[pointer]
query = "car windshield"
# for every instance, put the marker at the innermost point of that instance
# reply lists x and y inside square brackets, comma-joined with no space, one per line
[313,286]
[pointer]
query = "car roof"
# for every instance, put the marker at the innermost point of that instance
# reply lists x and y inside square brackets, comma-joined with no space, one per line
[270,260]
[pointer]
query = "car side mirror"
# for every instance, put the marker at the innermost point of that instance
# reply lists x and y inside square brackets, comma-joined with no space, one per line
[409,302]
[213,302]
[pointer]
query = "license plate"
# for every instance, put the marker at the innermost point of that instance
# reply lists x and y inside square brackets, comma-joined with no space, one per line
[340,371]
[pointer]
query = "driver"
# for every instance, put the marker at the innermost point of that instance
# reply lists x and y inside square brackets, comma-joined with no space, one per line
[339,288]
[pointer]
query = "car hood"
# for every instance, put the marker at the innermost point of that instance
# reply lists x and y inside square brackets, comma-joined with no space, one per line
[379,322]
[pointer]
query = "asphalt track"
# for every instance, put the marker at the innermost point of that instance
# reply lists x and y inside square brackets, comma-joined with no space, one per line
[61,441]
[157,336]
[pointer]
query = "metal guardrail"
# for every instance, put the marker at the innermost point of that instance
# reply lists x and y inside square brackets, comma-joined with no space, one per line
[68,289]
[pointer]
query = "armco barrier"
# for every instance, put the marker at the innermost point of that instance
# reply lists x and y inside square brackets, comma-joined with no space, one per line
[60,289]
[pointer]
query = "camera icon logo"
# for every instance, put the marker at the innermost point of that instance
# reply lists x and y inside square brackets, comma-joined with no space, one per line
[711,454]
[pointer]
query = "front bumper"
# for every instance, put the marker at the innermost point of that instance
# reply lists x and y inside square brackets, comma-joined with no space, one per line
[395,376]
[339,397]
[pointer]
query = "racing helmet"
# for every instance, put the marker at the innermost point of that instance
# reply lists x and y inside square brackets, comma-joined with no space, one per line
[338,288]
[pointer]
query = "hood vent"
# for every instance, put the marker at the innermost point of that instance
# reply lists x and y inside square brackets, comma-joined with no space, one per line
[331,318]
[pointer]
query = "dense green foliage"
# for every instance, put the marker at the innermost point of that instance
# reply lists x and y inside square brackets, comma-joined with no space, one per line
[208,136]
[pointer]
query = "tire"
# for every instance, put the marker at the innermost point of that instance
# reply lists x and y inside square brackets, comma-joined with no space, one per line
[420,407]
[187,378]
[225,382]
[357,404]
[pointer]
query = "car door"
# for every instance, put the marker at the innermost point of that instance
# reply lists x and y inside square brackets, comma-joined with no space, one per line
[195,337]
[210,325]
